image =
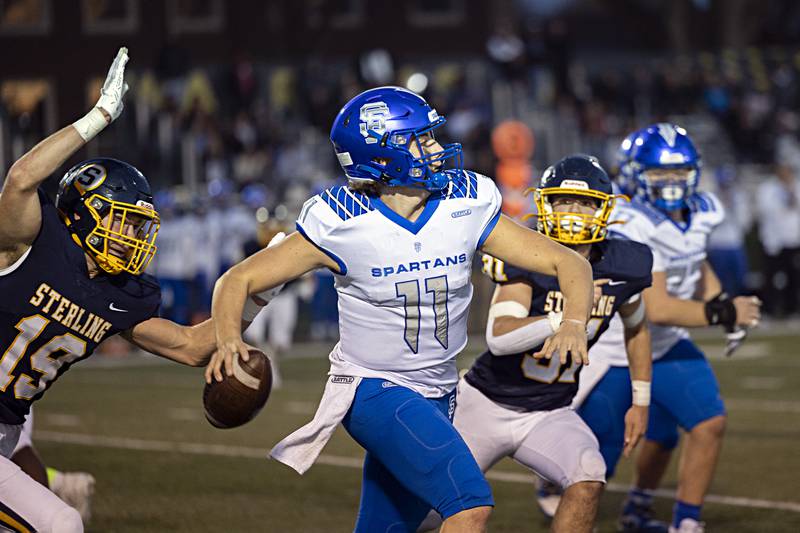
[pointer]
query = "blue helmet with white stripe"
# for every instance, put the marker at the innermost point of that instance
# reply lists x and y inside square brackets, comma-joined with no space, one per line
[622,159]
[374,133]
[666,166]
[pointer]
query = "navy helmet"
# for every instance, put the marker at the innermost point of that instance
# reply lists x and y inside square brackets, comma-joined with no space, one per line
[372,135]
[665,147]
[576,175]
[108,206]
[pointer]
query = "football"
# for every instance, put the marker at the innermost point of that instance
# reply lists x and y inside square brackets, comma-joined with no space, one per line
[238,398]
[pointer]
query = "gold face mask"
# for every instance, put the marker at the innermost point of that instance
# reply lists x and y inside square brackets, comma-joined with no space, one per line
[571,227]
[123,240]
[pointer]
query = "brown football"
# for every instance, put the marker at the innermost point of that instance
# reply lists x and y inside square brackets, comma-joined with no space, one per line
[238,398]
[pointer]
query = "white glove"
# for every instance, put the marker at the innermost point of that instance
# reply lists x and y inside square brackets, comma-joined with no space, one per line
[114,88]
[257,301]
[110,101]
[734,339]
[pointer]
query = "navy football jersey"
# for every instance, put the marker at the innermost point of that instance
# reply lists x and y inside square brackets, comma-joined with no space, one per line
[52,314]
[530,384]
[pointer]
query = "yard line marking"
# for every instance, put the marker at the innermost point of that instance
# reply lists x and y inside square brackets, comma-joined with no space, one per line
[762,382]
[185,414]
[64,420]
[770,406]
[518,477]
[125,443]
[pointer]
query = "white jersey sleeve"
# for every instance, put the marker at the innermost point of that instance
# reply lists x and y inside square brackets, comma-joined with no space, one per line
[319,220]
[707,211]
[634,221]
[490,204]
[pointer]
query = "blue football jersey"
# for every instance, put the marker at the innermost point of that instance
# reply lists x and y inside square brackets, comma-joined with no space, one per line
[523,382]
[52,314]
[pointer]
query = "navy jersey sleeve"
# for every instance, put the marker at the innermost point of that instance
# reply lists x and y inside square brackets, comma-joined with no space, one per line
[631,262]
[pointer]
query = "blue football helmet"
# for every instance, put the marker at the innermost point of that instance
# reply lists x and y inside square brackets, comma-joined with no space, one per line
[665,147]
[622,159]
[372,134]
[576,175]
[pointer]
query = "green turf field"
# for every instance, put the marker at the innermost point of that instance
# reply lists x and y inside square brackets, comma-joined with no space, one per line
[137,425]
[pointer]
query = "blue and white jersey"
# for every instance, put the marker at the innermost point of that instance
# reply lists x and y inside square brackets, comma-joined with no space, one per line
[678,250]
[404,287]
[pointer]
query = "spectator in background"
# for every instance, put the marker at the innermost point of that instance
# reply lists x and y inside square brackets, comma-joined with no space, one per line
[726,250]
[778,211]
[174,263]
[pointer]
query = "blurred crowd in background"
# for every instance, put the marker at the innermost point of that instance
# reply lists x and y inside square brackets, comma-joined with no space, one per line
[234,149]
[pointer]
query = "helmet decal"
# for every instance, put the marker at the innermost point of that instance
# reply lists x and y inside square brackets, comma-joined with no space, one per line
[372,117]
[90,177]
[668,133]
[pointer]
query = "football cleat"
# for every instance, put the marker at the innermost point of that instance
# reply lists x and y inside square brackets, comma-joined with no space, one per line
[688,525]
[638,518]
[548,496]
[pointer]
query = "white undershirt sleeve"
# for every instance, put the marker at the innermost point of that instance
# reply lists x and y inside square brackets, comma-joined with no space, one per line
[520,339]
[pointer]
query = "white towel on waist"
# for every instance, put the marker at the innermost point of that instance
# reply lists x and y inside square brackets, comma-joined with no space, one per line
[300,449]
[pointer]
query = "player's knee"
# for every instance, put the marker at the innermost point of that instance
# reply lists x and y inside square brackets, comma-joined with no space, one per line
[67,520]
[711,429]
[591,466]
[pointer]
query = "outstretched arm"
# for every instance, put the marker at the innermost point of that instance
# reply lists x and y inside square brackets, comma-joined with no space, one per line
[267,269]
[194,345]
[20,212]
[189,345]
[664,309]
[532,251]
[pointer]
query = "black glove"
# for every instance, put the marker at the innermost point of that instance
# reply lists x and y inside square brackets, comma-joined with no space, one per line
[720,310]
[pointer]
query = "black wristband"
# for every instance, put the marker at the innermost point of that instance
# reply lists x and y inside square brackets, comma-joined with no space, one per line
[720,310]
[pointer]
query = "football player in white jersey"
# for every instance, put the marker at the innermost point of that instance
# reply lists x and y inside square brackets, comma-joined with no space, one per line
[400,240]
[671,217]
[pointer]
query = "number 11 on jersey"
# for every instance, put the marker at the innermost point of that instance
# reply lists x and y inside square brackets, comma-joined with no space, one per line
[409,291]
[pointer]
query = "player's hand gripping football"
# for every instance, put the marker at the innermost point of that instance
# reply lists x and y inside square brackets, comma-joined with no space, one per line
[635,427]
[114,88]
[223,358]
[570,338]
